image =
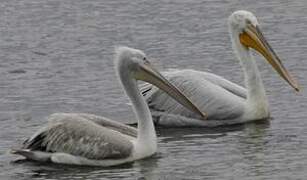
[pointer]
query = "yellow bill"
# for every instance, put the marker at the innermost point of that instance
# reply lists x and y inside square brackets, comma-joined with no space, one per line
[252,37]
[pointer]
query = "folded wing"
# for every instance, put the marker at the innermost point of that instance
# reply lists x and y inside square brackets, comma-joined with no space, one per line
[75,135]
[214,95]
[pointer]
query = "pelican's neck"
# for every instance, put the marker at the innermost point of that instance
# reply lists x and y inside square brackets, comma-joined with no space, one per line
[146,138]
[256,97]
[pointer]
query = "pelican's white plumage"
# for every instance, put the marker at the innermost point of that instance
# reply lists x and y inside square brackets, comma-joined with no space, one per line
[85,139]
[223,101]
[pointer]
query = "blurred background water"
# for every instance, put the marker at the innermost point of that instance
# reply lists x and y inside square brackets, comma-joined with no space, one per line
[57,56]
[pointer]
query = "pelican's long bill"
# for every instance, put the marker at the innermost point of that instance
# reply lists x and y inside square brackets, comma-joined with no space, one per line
[253,38]
[149,74]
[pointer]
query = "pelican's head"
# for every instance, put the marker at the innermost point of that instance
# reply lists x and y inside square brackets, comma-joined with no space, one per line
[133,64]
[239,20]
[245,31]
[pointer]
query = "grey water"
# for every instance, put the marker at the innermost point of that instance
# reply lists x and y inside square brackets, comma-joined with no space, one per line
[57,56]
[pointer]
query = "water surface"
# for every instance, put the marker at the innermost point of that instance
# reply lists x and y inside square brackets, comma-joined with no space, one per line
[56,56]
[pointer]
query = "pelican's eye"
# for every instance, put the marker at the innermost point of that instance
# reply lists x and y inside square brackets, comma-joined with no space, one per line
[145,60]
[248,22]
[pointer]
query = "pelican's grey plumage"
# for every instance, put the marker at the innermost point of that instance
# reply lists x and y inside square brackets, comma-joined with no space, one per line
[85,139]
[223,101]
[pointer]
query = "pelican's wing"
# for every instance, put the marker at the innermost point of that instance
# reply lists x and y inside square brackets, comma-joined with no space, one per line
[218,97]
[148,89]
[75,135]
[226,84]
[116,126]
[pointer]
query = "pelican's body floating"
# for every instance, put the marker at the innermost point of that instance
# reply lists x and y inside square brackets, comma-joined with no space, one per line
[84,139]
[223,101]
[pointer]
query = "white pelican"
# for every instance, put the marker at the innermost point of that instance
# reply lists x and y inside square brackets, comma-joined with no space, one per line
[223,102]
[85,139]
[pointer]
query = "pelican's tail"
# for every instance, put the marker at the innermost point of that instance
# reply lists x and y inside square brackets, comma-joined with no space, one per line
[33,155]
[23,152]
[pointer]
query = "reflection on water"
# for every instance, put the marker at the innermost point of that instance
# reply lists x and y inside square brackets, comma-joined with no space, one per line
[56,56]
[142,169]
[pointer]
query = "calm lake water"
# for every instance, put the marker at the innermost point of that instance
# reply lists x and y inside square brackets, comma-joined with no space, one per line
[57,56]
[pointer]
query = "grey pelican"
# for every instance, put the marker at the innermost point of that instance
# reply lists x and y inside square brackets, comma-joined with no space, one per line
[222,101]
[86,139]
